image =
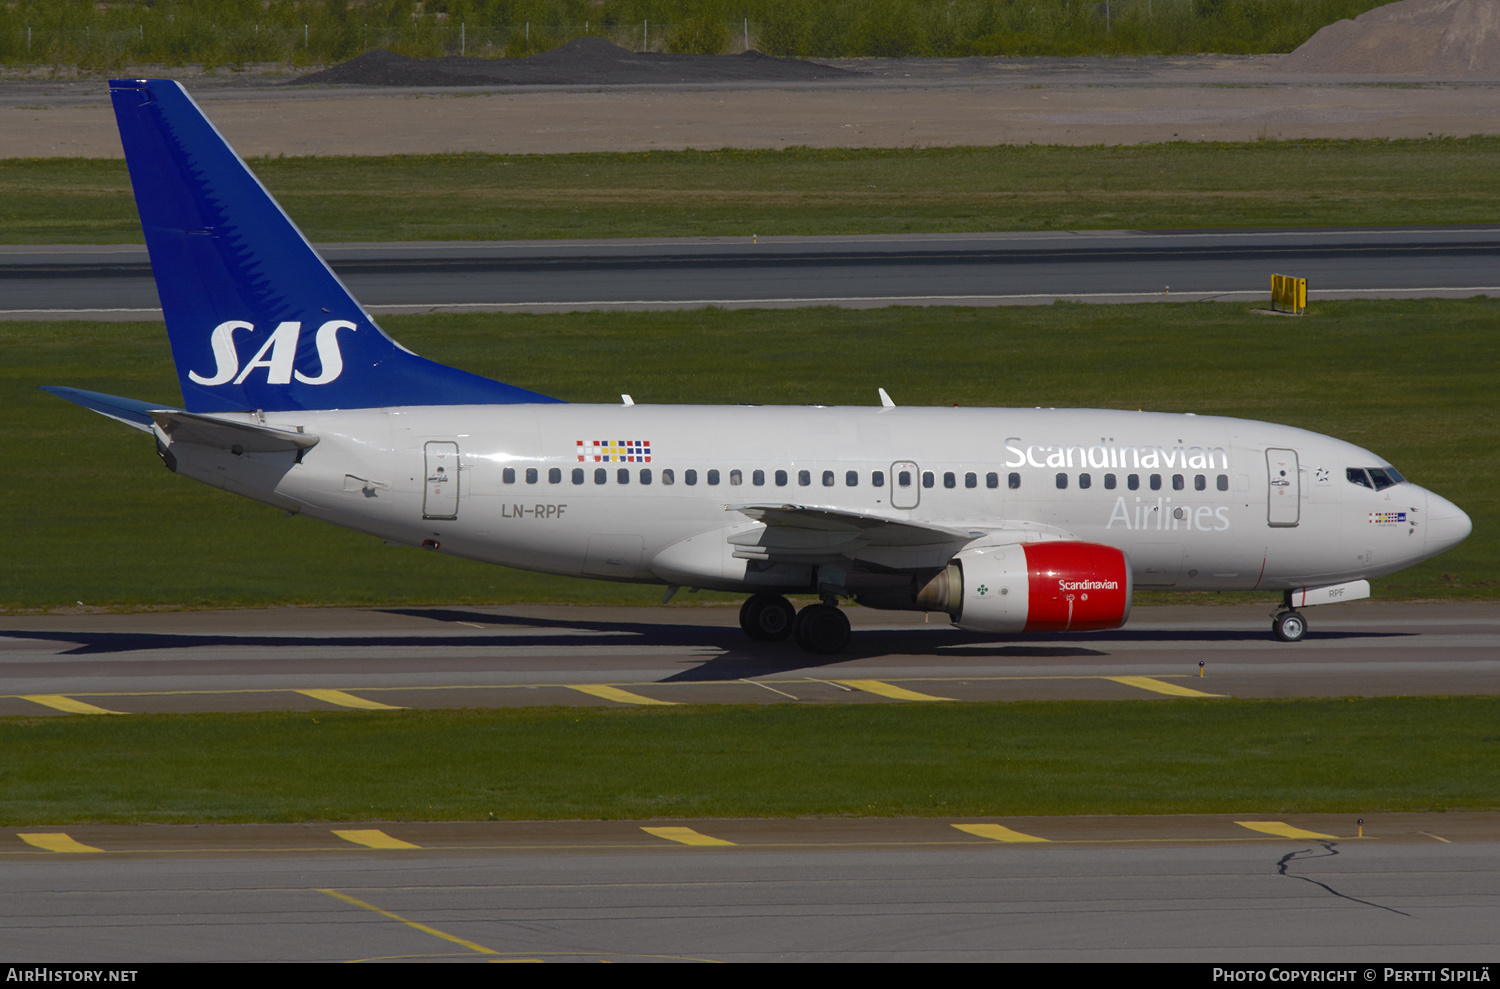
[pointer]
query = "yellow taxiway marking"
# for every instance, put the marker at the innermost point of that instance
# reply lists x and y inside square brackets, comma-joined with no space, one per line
[996,832]
[686,836]
[615,694]
[889,690]
[56,842]
[347,700]
[1281,830]
[410,923]
[61,703]
[1161,687]
[374,839]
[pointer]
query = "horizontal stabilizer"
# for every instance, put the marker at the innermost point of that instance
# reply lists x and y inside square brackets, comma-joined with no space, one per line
[238,437]
[127,410]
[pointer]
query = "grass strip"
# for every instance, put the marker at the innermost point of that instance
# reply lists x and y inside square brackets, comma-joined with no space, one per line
[809,191]
[868,760]
[91,516]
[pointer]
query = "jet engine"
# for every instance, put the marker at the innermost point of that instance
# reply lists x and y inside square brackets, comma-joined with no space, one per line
[1033,587]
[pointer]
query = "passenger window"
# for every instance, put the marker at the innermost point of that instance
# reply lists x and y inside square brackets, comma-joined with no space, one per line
[554,475]
[904,479]
[713,477]
[828,479]
[927,479]
[577,475]
[1133,482]
[971,480]
[668,476]
[851,478]
[949,480]
[531,475]
[877,478]
[1178,483]
[1014,481]
[601,475]
[1084,480]
[1109,482]
[992,480]
[1222,482]
[804,477]
[1062,481]
[508,475]
[1155,482]
[735,477]
[758,478]
[645,475]
[690,477]
[623,475]
[1200,483]
[781,479]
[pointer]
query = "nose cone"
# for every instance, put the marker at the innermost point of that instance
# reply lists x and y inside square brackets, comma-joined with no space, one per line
[1447,524]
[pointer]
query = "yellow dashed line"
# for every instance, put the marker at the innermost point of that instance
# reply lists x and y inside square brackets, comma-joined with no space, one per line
[347,700]
[410,923]
[996,832]
[374,839]
[614,694]
[1161,686]
[1281,830]
[890,690]
[686,836]
[61,703]
[57,842]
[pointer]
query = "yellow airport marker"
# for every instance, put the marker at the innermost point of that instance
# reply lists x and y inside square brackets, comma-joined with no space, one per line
[60,703]
[615,694]
[342,699]
[1281,830]
[686,836]
[997,832]
[1161,687]
[56,842]
[481,949]
[890,690]
[374,839]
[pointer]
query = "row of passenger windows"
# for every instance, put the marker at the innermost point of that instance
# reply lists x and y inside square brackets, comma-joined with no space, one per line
[781,478]
[828,478]
[1133,482]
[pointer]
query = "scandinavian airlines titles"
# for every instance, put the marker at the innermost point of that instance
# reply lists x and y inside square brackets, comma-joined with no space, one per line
[276,355]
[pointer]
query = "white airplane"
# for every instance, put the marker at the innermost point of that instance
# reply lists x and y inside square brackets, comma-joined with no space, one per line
[1008,520]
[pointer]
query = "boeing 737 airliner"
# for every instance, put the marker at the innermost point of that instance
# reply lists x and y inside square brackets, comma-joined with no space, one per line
[1007,520]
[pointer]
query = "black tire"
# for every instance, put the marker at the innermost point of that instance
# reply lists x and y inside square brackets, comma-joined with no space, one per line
[1289,626]
[767,617]
[821,629]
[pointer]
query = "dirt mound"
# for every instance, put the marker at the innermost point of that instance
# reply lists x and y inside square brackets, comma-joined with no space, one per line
[582,61]
[1427,38]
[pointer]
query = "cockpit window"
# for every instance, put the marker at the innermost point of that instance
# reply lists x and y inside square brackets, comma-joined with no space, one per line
[1378,478]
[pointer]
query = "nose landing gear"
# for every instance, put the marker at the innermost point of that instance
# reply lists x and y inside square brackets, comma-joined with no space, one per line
[1288,626]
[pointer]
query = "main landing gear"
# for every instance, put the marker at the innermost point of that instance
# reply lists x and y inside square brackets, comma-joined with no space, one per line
[819,628]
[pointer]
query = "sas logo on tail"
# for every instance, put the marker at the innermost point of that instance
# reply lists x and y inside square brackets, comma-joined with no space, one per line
[276,355]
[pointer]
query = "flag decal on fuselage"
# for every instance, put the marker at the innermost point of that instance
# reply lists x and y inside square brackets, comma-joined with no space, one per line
[614,451]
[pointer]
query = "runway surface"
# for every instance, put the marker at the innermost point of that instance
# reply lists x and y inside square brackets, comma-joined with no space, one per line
[326,659]
[79,282]
[1254,887]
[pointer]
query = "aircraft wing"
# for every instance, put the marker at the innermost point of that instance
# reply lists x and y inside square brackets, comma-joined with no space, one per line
[813,534]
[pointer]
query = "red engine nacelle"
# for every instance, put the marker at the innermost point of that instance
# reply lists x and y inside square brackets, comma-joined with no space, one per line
[1039,587]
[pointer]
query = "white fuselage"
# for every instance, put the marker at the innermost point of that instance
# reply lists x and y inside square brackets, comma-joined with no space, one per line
[649,493]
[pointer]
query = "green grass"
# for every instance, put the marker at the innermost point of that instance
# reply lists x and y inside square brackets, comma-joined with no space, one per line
[89,514]
[807,191]
[869,760]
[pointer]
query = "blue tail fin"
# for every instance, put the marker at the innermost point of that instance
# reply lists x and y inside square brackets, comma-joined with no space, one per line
[256,318]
